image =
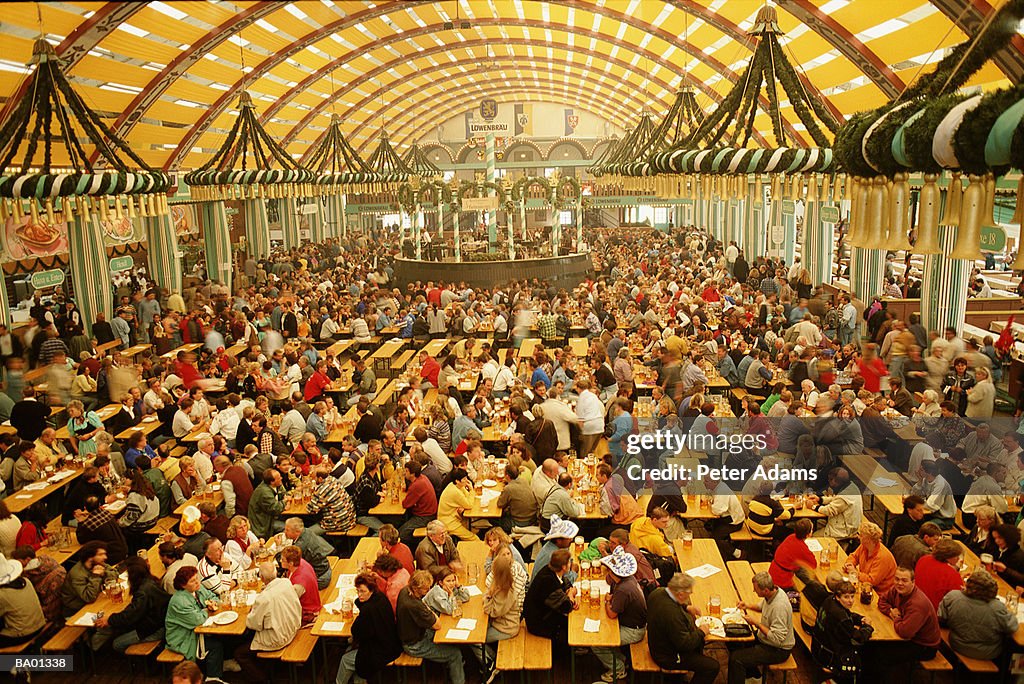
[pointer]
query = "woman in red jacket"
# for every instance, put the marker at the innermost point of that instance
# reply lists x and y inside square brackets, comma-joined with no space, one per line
[871,368]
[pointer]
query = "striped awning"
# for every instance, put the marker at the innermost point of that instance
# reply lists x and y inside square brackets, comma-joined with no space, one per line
[257,230]
[90,272]
[290,222]
[162,245]
[217,240]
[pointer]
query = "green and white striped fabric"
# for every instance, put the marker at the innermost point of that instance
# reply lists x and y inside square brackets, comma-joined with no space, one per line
[335,216]
[944,286]
[316,220]
[867,271]
[819,243]
[490,170]
[162,245]
[290,222]
[257,230]
[217,240]
[90,270]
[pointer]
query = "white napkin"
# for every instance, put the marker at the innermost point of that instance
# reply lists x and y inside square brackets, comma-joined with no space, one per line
[467,624]
[333,606]
[36,486]
[473,590]
[592,626]
[457,635]
[87,620]
[345,581]
[813,545]
[487,497]
[703,571]
[884,482]
[333,626]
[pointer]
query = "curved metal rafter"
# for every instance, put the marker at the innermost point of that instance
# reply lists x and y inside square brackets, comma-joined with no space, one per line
[432,105]
[218,107]
[438,113]
[579,146]
[969,16]
[429,147]
[85,37]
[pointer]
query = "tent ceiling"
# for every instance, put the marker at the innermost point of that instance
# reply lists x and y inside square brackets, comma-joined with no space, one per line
[168,74]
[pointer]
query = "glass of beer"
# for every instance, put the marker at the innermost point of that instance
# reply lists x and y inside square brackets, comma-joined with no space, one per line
[688,539]
[585,569]
[865,593]
[595,596]
[715,605]
[577,546]
[986,561]
[826,557]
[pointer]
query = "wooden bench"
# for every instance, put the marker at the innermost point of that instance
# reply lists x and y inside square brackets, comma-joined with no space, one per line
[18,649]
[407,661]
[420,532]
[64,640]
[640,655]
[975,666]
[169,657]
[785,667]
[296,653]
[524,652]
[143,649]
[403,359]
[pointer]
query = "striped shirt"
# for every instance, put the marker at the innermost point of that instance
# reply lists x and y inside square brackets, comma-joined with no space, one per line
[331,499]
[761,515]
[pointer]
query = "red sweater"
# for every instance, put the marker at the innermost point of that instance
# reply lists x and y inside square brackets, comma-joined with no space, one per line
[431,369]
[792,553]
[316,385]
[404,556]
[936,579]
[420,499]
[305,576]
[917,621]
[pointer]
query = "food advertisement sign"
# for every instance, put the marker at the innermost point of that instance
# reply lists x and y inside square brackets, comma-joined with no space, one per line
[28,238]
[119,231]
[183,216]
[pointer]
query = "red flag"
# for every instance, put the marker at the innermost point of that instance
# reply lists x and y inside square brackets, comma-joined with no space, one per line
[1005,342]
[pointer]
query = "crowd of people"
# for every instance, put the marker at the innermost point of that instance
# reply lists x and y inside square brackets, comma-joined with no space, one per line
[819,376]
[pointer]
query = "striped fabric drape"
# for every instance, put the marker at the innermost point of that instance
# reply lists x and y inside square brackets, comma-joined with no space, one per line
[867,271]
[90,271]
[316,220]
[818,251]
[789,242]
[162,245]
[944,286]
[758,236]
[290,222]
[490,170]
[335,216]
[217,242]
[257,230]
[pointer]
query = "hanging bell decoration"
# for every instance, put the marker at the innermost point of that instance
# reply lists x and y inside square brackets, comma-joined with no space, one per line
[858,210]
[954,198]
[899,214]
[878,203]
[826,189]
[990,201]
[928,217]
[812,189]
[1018,209]
[972,215]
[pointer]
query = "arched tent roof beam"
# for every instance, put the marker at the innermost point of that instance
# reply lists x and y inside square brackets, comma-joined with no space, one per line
[429,147]
[227,97]
[613,95]
[85,37]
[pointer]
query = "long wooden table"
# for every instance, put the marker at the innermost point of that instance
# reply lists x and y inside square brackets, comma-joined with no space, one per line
[105,414]
[435,347]
[190,347]
[217,499]
[388,349]
[472,553]
[24,499]
[705,552]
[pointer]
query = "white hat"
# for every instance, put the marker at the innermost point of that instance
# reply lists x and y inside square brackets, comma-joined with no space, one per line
[621,563]
[562,529]
[10,570]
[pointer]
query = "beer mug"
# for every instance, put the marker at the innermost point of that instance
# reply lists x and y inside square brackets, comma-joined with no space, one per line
[986,561]
[826,557]
[473,572]
[346,608]
[585,569]
[595,596]
[715,605]
[865,593]
[577,546]
[688,539]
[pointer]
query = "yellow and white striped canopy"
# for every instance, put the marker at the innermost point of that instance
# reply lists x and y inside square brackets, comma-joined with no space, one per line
[166,75]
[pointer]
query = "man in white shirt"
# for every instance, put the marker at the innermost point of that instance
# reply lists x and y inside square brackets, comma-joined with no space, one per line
[559,413]
[987,490]
[216,568]
[225,423]
[728,509]
[808,394]
[274,618]
[204,459]
[182,423]
[731,254]
[293,426]
[937,495]
[434,450]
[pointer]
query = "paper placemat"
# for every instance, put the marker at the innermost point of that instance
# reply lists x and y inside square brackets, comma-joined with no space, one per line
[87,620]
[703,571]
[457,635]
[333,627]
[473,590]
[467,624]
[814,545]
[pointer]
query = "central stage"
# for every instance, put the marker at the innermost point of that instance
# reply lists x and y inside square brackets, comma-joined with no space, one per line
[562,271]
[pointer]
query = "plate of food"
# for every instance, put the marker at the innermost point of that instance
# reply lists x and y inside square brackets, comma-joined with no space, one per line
[225,618]
[149,419]
[489,483]
[715,625]
[733,617]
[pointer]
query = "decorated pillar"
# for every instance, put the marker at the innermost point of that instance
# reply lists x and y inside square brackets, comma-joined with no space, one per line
[821,214]
[164,257]
[579,223]
[556,231]
[944,286]
[217,241]
[257,230]
[522,214]
[343,225]
[316,220]
[334,216]
[458,237]
[290,222]
[867,272]
[417,230]
[492,215]
[754,230]
[90,271]
[511,238]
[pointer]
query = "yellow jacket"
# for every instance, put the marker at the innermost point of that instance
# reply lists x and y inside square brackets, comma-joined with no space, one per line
[645,535]
[452,499]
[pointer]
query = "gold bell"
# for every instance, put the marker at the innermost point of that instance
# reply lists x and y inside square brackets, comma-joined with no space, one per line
[972,212]
[928,217]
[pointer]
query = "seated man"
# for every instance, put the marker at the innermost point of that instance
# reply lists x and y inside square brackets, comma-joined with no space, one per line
[678,644]
[274,619]
[85,580]
[315,549]
[550,599]
[437,550]
[217,570]
[301,575]
[417,625]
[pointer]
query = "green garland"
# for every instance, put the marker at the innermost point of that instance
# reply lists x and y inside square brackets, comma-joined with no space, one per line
[920,134]
[879,145]
[971,135]
[521,186]
[847,145]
